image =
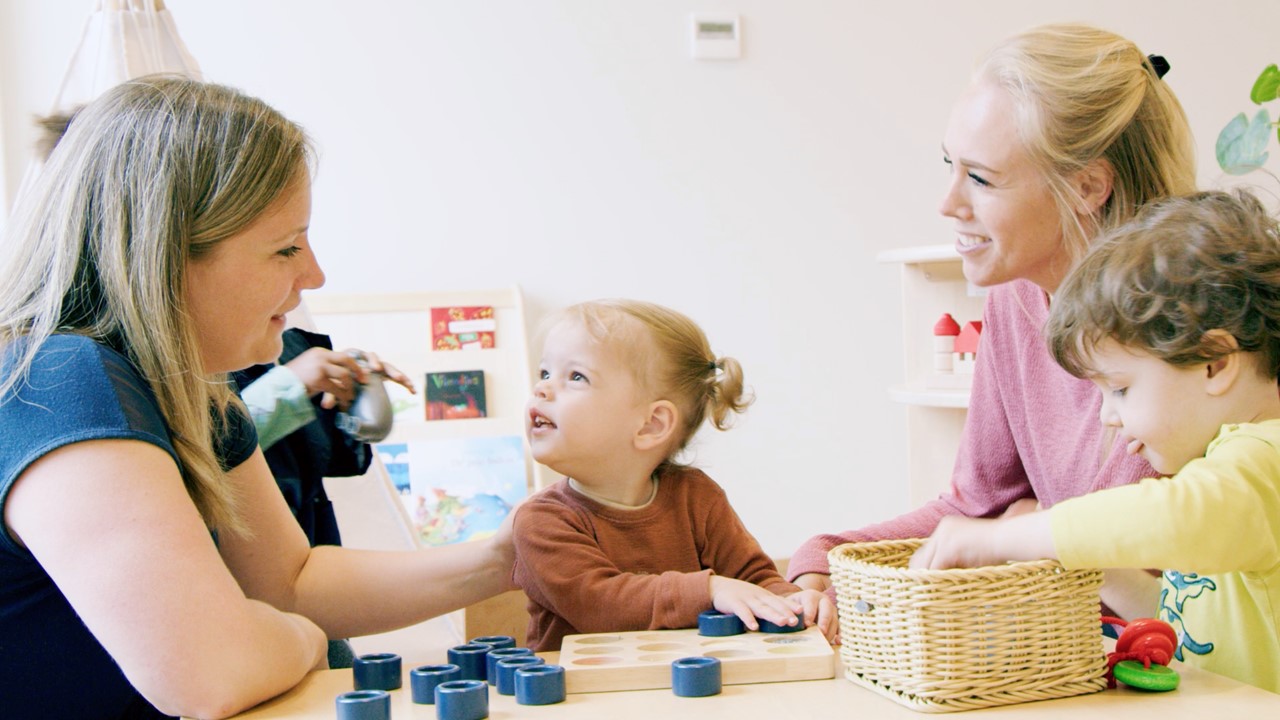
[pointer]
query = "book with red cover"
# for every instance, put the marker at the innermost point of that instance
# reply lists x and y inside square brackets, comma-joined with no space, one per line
[463,328]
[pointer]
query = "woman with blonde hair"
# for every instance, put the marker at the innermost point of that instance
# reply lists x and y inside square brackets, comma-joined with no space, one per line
[149,564]
[1064,132]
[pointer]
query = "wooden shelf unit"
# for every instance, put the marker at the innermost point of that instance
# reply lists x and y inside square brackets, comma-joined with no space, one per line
[932,284]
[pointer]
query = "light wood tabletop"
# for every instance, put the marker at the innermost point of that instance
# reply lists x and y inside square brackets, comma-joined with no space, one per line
[1201,695]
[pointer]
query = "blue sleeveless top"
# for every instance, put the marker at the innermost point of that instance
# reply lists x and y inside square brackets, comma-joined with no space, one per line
[78,389]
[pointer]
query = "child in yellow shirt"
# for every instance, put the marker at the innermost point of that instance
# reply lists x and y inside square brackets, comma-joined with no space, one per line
[1176,317]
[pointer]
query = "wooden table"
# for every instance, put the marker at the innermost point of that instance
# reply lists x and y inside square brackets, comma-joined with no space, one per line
[1201,696]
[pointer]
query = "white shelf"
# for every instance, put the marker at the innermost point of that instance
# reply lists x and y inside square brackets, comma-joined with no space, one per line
[930,397]
[933,283]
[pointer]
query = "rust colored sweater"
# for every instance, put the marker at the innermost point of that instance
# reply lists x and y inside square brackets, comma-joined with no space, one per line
[590,568]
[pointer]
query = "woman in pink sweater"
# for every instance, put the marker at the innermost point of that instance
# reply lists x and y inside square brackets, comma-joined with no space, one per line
[1064,132]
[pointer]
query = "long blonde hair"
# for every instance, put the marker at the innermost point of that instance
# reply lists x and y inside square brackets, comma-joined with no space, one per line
[1082,94]
[152,174]
[672,358]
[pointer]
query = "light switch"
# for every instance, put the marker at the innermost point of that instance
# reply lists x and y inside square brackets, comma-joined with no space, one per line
[716,37]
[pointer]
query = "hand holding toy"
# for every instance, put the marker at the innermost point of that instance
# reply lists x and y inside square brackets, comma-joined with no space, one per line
[369,417]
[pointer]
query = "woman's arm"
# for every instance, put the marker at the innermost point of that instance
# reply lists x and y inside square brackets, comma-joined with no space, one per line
[353,592]
[112,524]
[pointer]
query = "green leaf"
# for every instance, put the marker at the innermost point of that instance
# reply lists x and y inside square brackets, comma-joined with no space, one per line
[1242,144]
[1266,87]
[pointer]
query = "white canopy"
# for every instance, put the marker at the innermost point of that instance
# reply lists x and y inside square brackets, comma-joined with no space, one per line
[122,40]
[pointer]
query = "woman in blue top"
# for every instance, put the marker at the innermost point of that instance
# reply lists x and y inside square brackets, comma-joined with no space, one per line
[148,562]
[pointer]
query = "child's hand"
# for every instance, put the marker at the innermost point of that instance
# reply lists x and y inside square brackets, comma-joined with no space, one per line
[337,374]
[958,542]
[749,602]
[389,371]
[819,610]
[333,373]
[966,542]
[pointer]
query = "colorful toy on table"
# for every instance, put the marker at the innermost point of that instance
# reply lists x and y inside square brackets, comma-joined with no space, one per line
[496,654]
[462,700]
[506,669]
[772,627]
[696,677]
[376,671]
[495,641]
[540,685]
[472,658]
[364,705]
[424,679]
[712,623]
[1143,650]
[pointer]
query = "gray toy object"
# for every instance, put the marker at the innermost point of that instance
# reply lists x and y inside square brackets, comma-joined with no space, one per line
[368,420]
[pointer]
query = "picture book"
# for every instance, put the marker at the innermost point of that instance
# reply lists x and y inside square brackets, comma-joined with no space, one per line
[463,328]
[455,394]
[457,489]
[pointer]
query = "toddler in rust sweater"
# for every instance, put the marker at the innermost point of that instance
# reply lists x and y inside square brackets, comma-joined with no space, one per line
[631,540]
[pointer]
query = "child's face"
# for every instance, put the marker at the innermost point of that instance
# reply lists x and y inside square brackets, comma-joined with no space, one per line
[586,405]
[1159,406]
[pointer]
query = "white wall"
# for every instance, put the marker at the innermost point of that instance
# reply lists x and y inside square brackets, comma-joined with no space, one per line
[573,147]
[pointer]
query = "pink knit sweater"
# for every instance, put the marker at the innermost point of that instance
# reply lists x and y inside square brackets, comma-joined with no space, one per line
[1032,432]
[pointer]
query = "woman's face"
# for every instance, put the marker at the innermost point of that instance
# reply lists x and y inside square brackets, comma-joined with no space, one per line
[1006,221]
[239,292]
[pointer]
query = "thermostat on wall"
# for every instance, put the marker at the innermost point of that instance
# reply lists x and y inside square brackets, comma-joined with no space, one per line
[716,37]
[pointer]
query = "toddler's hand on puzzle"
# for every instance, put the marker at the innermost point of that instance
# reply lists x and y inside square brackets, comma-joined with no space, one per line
[819,610]
[813,581]
[749,602]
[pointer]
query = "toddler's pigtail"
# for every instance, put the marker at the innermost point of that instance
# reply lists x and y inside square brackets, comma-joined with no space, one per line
[726,392]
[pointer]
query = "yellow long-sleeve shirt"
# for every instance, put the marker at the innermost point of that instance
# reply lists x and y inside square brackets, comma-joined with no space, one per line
[1218,523]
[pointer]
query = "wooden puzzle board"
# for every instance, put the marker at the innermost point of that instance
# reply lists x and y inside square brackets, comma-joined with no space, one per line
[605,662]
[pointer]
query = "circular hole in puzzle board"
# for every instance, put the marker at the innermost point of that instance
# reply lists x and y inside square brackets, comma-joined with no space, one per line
[662,658]
[600,640]
[659,647]
[602,660]
[722,642]
[787,640]
[604,650]
[785,650]
[726,653]
[653,637]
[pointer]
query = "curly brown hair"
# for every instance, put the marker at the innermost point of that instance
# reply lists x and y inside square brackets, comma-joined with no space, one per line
[1182,267]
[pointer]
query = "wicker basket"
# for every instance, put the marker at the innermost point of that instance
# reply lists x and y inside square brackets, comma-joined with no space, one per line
[948,640]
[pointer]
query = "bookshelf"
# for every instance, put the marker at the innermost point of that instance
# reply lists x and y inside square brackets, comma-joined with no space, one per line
[371,512]
[932,284]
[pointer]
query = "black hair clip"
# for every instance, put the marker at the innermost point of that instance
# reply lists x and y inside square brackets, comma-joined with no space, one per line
[1159,65]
